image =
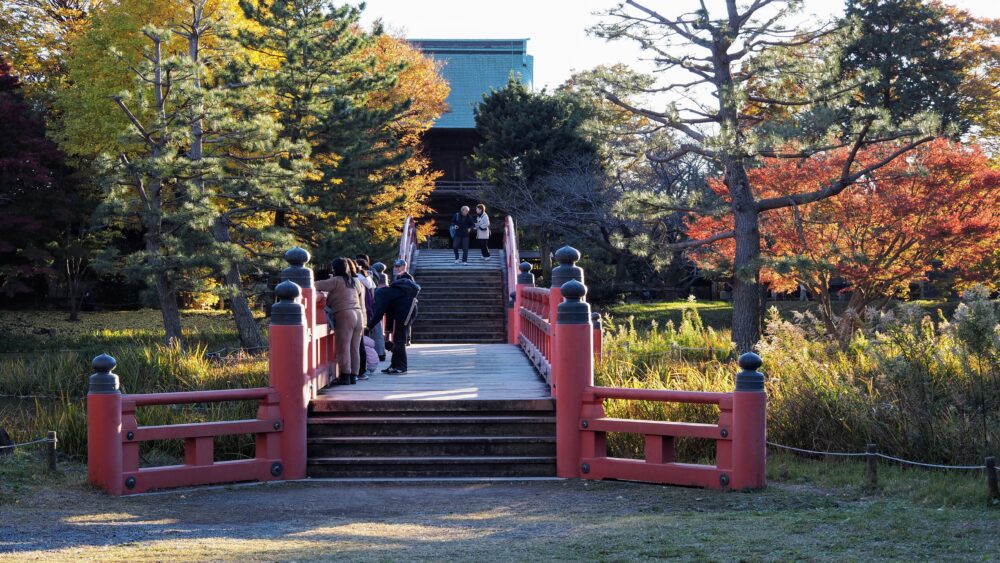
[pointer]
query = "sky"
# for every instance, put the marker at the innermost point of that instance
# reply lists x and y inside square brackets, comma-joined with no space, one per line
[556,29]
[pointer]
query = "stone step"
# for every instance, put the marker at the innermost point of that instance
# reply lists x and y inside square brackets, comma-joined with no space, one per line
[430,446]
[428,425]
[444,466]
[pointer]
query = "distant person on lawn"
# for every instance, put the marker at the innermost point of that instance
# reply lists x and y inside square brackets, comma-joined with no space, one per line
[462,225]
[395,303]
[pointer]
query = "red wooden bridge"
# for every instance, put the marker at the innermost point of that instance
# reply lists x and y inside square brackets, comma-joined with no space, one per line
[501,384]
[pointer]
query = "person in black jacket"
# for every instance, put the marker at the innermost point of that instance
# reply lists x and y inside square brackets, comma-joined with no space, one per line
[394,302]
[462,224]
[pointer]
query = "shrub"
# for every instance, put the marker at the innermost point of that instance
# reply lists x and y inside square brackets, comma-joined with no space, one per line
[918,388]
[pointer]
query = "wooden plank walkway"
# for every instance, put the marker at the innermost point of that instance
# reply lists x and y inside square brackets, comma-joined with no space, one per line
[441,372]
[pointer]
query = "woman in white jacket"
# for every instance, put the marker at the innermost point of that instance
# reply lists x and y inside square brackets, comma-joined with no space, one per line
[483,230]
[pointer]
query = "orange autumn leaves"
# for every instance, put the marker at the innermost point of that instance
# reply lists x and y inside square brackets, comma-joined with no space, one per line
[936,208]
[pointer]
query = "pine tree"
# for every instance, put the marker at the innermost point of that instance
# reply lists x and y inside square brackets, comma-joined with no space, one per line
[324,74]
[236,150]
[526,137]
[207,176]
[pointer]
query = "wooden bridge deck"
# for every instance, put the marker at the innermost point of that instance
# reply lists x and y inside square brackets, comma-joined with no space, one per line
[442,372]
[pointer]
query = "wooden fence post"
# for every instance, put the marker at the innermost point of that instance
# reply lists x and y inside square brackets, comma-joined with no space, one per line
[50,449]
[991,480]
[872,460]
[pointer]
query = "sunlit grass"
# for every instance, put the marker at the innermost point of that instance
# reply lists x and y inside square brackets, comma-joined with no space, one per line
[55,368]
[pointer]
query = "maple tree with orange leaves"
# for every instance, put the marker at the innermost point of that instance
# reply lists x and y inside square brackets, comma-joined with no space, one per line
[934,209]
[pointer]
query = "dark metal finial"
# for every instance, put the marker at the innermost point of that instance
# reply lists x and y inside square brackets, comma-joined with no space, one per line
[297,256]
[750,379]
[102,381]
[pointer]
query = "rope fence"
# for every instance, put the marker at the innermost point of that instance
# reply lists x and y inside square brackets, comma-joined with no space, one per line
[872,456]
[23,444]
[879,455]
[50,440]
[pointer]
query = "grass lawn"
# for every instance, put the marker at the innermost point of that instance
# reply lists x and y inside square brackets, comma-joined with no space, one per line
[812,510]
[719,314]
[25,331]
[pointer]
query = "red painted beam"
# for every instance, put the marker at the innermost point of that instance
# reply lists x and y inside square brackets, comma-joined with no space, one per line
[684,474]
[187,476]
[661,395]
[187,397]
[203,429]
[656,428]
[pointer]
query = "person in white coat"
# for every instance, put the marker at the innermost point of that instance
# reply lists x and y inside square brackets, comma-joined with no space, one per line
[483,230]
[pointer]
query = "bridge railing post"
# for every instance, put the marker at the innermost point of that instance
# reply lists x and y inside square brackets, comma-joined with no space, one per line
[104,427]
[288,366]
[524,279]
[567,270]
[598,325]
[573,369]
[301,274]
[749,425]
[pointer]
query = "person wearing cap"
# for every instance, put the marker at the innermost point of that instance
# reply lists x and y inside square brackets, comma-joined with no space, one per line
[399,270]
[462,225]
[395,303]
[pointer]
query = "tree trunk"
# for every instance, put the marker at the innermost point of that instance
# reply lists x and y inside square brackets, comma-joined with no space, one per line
[621,270]
[746,265]
[73,287]
[171,312]
[246,327]
[545,253]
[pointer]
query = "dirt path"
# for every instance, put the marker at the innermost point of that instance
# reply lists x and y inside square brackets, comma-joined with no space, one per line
[567,520]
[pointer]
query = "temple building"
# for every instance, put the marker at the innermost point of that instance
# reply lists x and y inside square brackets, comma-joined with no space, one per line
[472,67]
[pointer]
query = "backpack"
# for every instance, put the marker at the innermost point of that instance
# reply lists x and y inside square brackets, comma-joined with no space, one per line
[411,315]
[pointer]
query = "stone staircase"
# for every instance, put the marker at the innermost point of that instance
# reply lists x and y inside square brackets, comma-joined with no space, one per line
[411,439]
[460,302]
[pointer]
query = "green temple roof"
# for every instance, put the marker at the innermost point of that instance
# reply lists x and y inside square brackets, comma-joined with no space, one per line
[472,67]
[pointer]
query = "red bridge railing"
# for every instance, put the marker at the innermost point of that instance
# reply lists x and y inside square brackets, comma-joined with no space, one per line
[302,361]
[511,269]
[562,337]
[408,241]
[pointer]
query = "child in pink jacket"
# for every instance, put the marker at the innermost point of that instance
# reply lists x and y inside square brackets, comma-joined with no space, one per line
[371,356]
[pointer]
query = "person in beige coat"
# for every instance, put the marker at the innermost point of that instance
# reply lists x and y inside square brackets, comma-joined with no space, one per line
[483,230]
[345,298]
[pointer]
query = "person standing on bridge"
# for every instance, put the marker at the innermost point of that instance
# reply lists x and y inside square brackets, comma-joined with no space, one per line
[361,260]
[395,302]
[462,225]
[345,298]
[483,230]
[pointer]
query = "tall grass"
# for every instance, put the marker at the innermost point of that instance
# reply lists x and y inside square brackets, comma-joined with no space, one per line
[917,387]
[59,381]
